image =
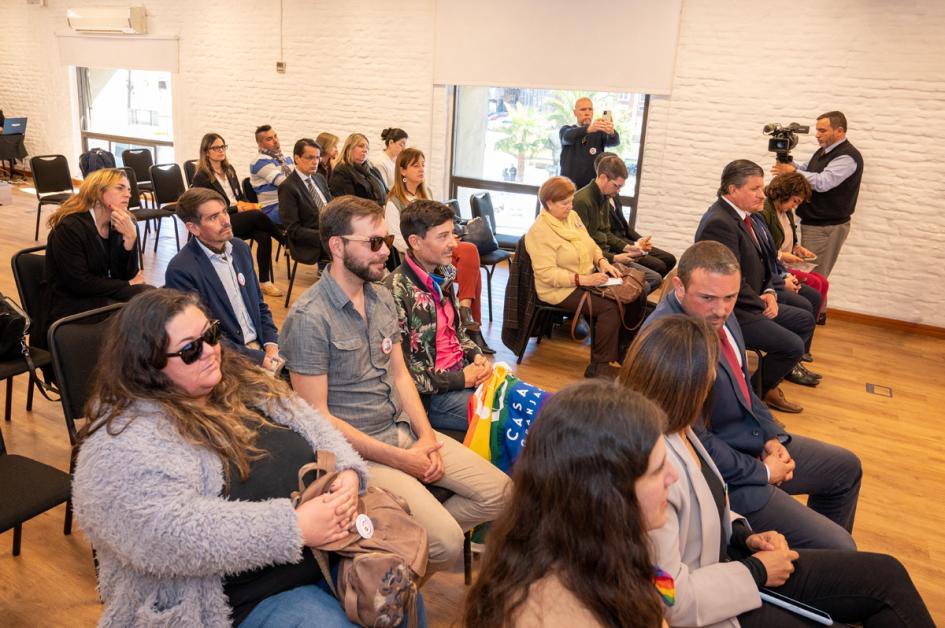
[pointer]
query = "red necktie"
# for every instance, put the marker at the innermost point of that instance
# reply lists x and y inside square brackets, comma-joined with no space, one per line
[750,230]
[729,354]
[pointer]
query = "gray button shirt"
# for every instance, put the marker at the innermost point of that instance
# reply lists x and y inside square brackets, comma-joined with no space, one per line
[325,335]
[223,265]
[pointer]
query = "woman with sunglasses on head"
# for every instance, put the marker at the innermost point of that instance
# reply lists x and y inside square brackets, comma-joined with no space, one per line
[183,478]
[717,562]
[249,223]
[91,252]
[354,174]
[410,186]
[570,548]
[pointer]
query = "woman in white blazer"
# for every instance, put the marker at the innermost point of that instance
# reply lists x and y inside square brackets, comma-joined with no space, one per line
[718,563]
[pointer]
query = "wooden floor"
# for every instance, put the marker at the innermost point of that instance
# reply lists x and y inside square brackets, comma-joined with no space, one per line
[898,439]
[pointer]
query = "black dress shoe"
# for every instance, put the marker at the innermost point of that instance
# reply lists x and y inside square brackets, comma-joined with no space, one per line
[822,319]
[807,357]
[806,370]
[799,376]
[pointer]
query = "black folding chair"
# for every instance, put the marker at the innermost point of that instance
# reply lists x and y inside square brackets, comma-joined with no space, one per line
[146,214]
[53,182]
[481,206]
[140,160]
[168,185]
[190,170]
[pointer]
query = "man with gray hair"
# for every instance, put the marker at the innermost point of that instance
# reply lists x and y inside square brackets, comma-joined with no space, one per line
[780,330]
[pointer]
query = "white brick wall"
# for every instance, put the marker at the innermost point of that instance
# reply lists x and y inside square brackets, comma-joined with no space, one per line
[739,65]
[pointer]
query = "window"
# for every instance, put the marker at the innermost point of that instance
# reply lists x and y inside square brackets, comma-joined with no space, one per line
[505,141]
[121,109]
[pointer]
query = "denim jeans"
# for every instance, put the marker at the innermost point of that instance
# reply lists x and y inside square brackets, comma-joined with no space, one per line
[449,410]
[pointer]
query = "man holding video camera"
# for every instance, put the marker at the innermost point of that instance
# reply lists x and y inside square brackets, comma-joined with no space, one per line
[834,173]
[581,143]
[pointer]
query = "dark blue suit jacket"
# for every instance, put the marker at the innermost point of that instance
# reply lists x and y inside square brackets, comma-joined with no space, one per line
[738,427]
[191,271]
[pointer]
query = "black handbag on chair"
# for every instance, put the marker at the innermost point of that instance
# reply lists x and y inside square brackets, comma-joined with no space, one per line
[14,326]
[479,233]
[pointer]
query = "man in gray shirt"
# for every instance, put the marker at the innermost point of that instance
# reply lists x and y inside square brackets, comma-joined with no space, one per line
[341,342]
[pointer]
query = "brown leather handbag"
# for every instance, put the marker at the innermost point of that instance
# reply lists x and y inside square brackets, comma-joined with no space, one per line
[632,288]
[383,556]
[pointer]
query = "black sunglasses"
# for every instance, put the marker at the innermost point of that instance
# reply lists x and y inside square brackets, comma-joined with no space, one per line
[375,241]
[194,349]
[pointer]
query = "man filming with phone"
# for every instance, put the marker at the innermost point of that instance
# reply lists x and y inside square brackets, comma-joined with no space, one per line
[581,143]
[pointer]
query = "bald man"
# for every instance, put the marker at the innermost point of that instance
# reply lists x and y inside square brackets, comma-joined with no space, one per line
[581,143]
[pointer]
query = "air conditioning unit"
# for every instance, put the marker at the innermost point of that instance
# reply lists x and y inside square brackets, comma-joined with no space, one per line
[109,20]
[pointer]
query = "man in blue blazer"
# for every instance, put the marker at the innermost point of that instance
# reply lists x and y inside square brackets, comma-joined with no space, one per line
[219,268]
[761,463]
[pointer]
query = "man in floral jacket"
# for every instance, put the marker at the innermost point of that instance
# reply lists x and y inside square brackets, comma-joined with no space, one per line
[445,364]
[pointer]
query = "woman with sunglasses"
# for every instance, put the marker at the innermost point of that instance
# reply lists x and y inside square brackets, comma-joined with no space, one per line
[410,186]
[215,172]
[354,174]
[184,474]
[717,562]
[570,549]
[91,252]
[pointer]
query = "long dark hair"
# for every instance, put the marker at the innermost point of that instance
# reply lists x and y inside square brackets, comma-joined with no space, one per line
[130,371]
[203,160]
[573,511]
[672,362]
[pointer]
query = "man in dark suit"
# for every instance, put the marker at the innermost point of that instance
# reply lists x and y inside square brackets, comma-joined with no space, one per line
[782,331]
[761,463]
[301,197]
[219,268]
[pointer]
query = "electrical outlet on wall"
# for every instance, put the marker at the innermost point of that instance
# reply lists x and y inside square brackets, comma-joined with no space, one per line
[280,67]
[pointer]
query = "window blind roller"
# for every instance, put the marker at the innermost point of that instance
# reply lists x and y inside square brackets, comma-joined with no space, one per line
[613,45]
[139,52]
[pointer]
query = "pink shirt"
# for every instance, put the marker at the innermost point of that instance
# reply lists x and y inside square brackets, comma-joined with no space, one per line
[449,353]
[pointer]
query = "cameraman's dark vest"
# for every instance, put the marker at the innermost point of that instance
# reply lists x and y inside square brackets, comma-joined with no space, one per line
[835,206]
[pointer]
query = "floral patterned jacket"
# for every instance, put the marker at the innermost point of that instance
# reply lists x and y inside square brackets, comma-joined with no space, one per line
[416,312]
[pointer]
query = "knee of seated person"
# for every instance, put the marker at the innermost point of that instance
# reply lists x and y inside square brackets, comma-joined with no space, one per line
[495,498]
[836,538]
[445,547]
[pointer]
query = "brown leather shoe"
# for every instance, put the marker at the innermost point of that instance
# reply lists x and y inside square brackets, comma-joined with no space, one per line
[776,401]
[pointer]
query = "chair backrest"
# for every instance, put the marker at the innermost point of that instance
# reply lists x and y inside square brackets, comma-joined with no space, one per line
[135,201]
[167,182]
[141,160]
[51,174]
[76,345]
[29,270]
[190,170]
[249,192]
[481,206]
[95,159]
[454,205]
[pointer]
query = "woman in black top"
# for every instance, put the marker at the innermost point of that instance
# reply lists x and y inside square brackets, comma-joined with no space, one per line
[215,172]
[91,255]
[354,174]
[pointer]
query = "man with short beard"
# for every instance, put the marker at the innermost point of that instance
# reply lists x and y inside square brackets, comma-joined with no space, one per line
[342,346]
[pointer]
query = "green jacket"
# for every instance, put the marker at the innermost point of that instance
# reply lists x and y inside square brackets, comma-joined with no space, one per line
[416,312]
[594,211]
[770,214]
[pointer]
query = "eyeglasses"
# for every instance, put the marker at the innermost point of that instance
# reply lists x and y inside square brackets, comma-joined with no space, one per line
[220,147]
[194,349]
[376,241]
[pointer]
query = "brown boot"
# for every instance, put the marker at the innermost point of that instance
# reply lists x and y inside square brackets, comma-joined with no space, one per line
[776,401]
[473,330]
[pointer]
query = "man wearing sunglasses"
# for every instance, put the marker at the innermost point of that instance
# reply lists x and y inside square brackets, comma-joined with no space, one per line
[342,344]
[219,268]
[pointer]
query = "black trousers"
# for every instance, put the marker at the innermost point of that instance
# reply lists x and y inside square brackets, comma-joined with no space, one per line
[658,260]
[861,587]
[255,225]
[782,346]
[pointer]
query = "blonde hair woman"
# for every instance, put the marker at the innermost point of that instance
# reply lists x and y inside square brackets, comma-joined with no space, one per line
[355,175]
[91,255]
[329,143]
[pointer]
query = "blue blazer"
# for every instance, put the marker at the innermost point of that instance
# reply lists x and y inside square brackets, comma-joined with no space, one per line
[191,271]
[738,426]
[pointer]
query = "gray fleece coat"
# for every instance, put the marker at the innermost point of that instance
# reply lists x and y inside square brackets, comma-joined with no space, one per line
[165,536]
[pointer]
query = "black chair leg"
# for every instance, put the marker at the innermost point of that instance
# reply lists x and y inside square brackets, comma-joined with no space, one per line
[29,393]
[467,557]
[8,402]
[489,272]
[176,232]
[157,232]
[39,210]
[67,524]
[288,294]
[278,251]
[17,538]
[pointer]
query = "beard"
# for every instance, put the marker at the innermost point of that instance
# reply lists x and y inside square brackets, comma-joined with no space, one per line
[362,270]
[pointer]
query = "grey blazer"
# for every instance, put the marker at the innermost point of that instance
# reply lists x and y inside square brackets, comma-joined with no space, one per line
[708,593]
[151,504]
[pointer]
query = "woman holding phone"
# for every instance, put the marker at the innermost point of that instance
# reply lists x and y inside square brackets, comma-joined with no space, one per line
[716,560]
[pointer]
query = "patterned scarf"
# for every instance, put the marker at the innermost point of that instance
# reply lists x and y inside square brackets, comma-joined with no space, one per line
[278,156]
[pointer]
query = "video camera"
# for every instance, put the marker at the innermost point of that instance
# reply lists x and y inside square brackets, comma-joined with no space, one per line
[783,139]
